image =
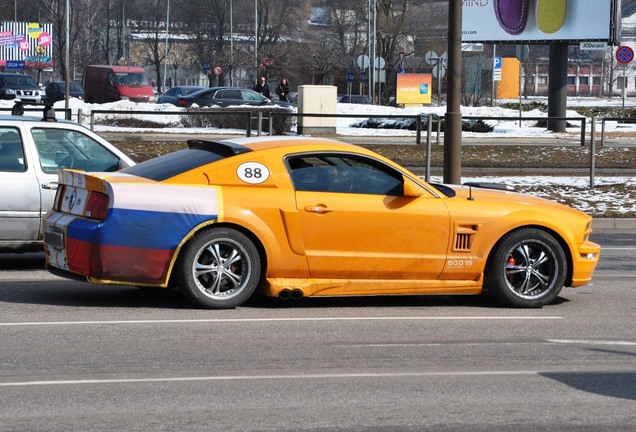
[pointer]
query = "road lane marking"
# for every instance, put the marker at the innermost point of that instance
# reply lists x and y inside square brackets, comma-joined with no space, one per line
[258,320]
[592,342]
[272,377]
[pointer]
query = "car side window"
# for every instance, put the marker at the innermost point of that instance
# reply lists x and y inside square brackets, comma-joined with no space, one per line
[344,174]
[252,96]
[59,148]
[229,94]
[11,151]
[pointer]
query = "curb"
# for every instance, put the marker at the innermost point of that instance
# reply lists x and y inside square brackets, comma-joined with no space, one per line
[614,224]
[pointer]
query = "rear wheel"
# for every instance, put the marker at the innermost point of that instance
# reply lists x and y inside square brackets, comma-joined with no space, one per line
[219,269]
[526,269]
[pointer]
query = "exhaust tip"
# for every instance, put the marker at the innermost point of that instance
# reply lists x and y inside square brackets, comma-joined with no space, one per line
[297,294]
[285,294]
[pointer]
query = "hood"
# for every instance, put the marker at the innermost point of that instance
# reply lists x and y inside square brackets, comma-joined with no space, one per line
[478,200]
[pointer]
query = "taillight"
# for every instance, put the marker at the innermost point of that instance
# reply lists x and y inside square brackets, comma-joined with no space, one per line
[182,103]
[97,206]
[59,197]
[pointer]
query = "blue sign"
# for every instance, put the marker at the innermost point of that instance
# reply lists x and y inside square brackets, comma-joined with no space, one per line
[424,89]
[206,66]
[498,62]
[350,76]
[363,76]
[15,64]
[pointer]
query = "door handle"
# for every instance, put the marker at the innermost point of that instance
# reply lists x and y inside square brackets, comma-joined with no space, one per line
[318,209]
[50,186]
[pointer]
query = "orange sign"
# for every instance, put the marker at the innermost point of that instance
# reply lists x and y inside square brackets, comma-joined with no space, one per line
[414,89]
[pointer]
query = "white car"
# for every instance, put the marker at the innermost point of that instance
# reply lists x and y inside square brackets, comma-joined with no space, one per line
[32,150]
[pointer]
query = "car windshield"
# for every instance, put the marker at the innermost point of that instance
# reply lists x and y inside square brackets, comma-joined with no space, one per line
[187,91]
[132,79]
[74,86]
[24,81]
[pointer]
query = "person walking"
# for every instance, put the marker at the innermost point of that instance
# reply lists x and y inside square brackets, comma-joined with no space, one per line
[282,90]
[262,87]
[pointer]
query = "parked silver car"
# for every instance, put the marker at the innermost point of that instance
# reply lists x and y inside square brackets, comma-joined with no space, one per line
[32,150]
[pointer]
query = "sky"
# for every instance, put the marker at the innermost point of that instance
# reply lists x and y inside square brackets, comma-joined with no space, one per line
[585,198]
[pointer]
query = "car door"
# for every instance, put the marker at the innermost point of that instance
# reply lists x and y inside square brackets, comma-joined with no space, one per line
[19,189]
[356,222]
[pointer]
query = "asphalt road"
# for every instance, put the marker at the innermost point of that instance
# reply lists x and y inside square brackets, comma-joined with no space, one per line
[76,357]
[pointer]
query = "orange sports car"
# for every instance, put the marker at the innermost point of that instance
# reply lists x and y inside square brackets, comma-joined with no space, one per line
[294,217]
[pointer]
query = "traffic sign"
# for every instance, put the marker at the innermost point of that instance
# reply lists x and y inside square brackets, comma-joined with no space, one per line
[217,70]
[439,71]
[624,54]
[350,76]
[15,64]
[206,66]
[363,61]
[498,62]
[431,58]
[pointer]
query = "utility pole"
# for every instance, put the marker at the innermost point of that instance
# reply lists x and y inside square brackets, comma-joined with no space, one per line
[453,119]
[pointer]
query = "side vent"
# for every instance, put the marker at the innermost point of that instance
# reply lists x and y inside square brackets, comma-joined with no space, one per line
[462,243]
[464,237]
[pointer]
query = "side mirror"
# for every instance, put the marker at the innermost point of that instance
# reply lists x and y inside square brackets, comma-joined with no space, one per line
[412,189]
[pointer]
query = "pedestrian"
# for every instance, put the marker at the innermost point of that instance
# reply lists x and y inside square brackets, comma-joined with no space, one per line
[262,87]
[283,90]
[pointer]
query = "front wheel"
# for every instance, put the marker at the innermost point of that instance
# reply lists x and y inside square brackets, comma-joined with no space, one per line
[527,268]
[219,269]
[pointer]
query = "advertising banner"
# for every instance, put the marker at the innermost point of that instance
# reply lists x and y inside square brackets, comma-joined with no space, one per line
[27,43]
[528,21]
[414,89]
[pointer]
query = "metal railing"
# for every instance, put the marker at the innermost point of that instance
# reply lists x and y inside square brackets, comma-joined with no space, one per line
[247,114]
[31,109]
[616,119]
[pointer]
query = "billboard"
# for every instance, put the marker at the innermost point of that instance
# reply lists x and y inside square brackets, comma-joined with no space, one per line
[537,21]
[414,89]
[25,43]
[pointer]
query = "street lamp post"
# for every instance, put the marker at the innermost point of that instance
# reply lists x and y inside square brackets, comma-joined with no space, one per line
[256,36]
[165,58]
[231,47]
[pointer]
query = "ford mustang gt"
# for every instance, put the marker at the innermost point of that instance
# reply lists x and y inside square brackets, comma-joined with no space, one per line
[292,217]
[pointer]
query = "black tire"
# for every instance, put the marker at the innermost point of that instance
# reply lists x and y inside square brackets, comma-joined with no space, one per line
[218,269]
[527,268]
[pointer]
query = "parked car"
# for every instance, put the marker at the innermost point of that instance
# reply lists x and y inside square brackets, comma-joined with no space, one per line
[226,96]
[172,95]
[31,153]
[56,90]
[294,217]
[111,83]
[356,99]
[21,86]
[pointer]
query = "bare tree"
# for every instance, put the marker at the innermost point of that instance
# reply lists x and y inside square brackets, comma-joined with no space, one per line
[154,42]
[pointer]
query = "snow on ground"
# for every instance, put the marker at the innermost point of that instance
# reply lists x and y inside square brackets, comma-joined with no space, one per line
[575,191]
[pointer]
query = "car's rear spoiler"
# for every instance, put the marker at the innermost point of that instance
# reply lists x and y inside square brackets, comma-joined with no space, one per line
[222,148]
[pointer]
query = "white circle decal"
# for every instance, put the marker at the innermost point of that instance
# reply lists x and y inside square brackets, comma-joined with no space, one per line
[253,172]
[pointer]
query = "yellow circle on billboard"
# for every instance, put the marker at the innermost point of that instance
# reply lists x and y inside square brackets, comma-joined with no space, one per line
[34,30]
